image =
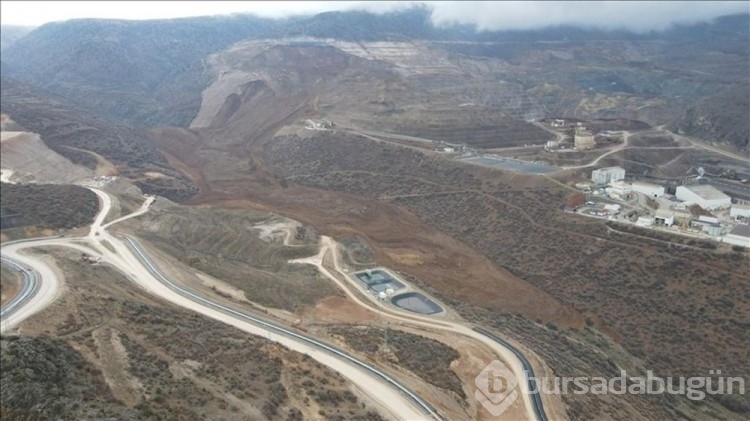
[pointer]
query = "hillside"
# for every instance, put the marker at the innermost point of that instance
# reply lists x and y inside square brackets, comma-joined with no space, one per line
[315,119]
[106,350]
[30,160]
[151,73]
[12,33]
[721,118]
[141,72]
[47,206]
[76,134]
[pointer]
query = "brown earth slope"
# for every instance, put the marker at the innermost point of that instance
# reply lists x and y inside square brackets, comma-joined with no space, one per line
[489,239]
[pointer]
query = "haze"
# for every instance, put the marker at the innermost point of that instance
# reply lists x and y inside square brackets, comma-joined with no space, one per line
[635,16]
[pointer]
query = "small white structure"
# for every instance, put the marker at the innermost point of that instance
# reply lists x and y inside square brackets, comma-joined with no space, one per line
[648,189]
[585,186]
[619,188]
[557,123]
[664,217]
[703,195]
[551,144]
[612,207]
[644,221]
[739,236]
[709,219]
[382,295]
[603,176]
[739,211]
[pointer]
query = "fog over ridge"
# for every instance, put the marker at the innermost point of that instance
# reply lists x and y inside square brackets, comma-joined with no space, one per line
[635,16]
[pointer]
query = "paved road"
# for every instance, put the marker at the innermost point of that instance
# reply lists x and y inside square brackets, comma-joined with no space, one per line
[128,257]
[276,328]
[29,287]
[391,397]
[536,398]
[508,355]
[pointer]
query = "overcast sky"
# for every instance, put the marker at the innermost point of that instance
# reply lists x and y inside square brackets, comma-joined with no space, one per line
[637,16]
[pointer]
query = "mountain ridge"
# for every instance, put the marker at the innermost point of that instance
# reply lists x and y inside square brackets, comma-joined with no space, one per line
[152,73]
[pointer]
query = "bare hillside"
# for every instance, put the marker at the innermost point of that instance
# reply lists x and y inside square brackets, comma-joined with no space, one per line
[30,159]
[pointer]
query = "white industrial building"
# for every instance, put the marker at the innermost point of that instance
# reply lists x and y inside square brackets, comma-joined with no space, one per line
[619,188]
[650,190]
[739,236]
[558,123]
[644,221]
[739,211]
[709,228]
[703,195]
[606,175]
[664,217]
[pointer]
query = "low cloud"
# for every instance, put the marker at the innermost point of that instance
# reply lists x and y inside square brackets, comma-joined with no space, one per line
[632,15]
[636,16]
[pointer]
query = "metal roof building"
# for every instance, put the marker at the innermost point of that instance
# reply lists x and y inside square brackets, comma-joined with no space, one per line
[606,175]
[703,195]
[739,236]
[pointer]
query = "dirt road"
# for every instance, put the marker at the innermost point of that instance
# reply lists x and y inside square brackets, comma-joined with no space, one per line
[388,398]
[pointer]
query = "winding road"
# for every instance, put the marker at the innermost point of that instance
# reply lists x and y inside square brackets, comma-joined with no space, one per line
[390,396]
[41,287]
[29,287]
[509,355]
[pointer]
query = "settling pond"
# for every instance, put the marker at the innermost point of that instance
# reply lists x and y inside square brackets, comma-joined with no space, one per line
[511,164]
[416,302]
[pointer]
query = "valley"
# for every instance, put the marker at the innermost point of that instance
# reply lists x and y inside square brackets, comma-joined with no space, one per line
[195,227]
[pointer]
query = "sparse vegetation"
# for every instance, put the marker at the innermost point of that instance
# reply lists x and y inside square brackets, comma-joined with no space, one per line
[181,364]
[45,378]
[47,205]
[591,297]
[425,357]
[625,282]
[226,245]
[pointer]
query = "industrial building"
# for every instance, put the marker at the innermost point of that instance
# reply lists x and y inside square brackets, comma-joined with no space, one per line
[739,211]
[582,138]
[664,217]
[648,189]
[644,221]
[739,236]
[709,228]
[704,195]
[619,189]
[603,176]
